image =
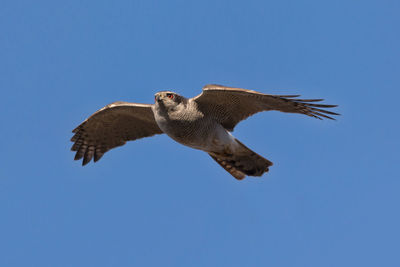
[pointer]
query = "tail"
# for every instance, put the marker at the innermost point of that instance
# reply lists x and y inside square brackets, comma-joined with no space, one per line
[242,162]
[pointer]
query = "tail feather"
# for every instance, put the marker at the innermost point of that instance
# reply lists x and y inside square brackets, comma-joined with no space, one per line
[243,161]
[229,166]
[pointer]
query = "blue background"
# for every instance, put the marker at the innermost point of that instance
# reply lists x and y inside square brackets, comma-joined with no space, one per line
[331,199]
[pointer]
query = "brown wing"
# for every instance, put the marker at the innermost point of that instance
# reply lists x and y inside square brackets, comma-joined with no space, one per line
[231,105]
[111,127]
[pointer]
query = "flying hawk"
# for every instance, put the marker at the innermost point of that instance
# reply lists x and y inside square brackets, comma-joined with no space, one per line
[204,122]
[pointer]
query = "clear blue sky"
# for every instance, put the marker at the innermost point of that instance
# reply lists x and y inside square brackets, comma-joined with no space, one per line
[331,199]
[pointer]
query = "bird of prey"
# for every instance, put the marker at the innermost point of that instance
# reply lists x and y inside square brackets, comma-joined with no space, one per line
[204,122]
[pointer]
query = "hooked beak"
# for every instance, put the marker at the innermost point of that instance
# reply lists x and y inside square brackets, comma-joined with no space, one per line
[157,98]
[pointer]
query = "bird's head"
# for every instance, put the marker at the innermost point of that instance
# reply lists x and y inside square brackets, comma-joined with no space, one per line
[168,99]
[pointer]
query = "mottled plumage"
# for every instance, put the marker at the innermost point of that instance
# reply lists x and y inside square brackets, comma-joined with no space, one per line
[203,122]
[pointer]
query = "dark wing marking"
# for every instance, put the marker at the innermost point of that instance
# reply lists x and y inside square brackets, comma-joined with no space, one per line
[111,127]
[230,105]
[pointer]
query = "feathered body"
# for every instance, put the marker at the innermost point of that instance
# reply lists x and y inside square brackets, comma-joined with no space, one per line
[181,119]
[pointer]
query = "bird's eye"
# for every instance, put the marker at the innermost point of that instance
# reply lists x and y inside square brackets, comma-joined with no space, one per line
[171,96]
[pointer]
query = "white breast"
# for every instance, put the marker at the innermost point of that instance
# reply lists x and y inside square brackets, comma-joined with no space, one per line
[191,128]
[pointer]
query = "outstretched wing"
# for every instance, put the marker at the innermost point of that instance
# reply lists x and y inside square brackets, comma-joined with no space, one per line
[230,105]
[111,127]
